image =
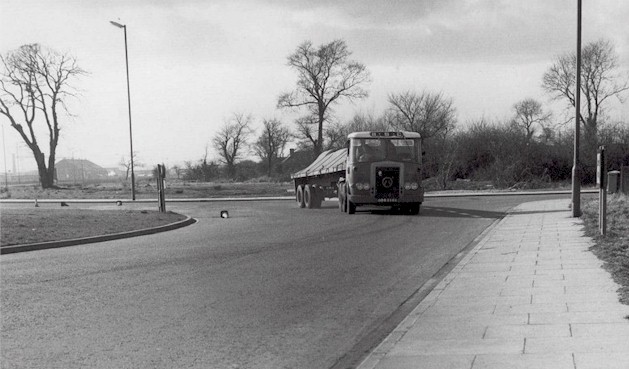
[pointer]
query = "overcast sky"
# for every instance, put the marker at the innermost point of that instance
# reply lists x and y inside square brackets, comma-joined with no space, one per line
[194,63]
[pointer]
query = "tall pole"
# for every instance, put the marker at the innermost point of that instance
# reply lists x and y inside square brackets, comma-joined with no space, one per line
[126,57]
[576,169]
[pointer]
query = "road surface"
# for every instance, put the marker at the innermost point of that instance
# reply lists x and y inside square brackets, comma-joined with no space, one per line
[273,286]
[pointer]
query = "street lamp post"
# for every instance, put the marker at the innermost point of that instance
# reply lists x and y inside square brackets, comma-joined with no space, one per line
[576,169]
[126,56]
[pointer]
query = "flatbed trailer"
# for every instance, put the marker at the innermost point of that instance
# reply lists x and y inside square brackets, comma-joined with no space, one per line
[376,168]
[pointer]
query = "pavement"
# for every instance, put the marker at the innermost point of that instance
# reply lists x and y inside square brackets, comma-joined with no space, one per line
[529,295]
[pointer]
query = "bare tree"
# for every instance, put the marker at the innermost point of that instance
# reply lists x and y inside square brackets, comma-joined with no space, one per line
[336,134]
[428,113]
[601,80]
[34,86]
[528,114]
[325,75]
[178,171]
[126,164]
[306,132]
[231,138]
[272,142]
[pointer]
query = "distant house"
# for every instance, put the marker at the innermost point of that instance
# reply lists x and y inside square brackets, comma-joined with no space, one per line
[74,170]
[296,161]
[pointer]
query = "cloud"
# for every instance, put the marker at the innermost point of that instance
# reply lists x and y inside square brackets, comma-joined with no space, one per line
[471,30]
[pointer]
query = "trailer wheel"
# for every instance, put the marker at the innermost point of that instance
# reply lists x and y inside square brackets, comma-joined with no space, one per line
[300,196]
[309,196]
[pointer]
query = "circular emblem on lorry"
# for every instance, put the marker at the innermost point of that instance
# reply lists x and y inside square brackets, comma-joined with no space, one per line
[387,182]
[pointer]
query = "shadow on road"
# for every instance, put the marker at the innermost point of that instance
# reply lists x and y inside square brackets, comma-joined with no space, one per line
[427,211]
[539,211]
[445,212]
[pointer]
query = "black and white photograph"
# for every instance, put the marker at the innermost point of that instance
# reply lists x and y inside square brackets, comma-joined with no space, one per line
[291,184]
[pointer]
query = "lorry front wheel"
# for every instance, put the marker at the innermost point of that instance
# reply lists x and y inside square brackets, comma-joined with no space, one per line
[351,207]
[342,198]
[300,196]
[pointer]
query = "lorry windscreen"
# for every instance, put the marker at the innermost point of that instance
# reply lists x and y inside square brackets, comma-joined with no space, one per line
[379,149]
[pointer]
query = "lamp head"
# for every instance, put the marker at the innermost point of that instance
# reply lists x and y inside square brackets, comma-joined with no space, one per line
[117,24]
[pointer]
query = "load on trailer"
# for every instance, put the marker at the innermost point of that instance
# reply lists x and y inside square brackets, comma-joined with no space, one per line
[376,168]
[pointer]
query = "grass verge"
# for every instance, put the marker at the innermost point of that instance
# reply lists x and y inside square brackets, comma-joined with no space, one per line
[34,225]
[613,249]
[147,190]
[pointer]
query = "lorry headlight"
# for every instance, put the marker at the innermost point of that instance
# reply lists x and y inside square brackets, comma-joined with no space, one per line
[359,186]
[407,186]
[363,186]
[366,186]
[414,186]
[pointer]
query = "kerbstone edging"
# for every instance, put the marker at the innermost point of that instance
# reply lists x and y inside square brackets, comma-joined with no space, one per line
[85,240]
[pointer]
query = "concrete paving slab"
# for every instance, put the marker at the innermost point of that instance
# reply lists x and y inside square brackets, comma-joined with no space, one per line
[601,361]
[615,344]
[427,362]
[486,319]
[609,306]
[459,310]
[457,347]
[575,317]
[601,330]
[576,298]
[425,330]
[528,331]
[524,361]
[550,290]
[532,308]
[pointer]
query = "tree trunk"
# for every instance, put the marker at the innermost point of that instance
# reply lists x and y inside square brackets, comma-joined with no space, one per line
[318,148]
[270,164]
[46,175]
[231,170]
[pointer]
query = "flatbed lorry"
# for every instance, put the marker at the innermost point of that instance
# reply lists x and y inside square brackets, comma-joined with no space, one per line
[376,168]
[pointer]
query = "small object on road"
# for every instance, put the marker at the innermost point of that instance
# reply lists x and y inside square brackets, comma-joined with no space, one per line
[36,203]
[119,203]
[224,214]
[64,204]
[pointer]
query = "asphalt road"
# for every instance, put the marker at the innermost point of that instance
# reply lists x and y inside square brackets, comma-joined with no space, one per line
[273,286]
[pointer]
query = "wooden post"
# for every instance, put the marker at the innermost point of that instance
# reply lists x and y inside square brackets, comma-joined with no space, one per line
[161,196]
[601,175]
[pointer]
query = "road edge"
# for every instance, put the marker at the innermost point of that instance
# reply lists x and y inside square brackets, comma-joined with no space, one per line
[93,239]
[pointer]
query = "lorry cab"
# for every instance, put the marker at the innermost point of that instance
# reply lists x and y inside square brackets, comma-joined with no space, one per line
[383,168]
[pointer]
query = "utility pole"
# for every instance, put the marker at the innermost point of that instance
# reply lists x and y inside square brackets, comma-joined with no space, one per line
[576,168]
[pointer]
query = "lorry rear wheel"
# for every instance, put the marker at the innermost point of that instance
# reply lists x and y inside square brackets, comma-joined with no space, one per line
[300,196]
[319,197]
